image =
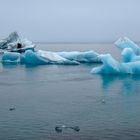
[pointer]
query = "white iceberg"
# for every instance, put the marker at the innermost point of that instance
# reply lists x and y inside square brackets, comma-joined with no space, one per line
[111,66]
[125,42]
[82,57]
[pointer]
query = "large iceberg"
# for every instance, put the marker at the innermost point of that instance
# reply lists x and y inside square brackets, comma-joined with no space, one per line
[125,42]
[111,66]
[19,50]
[83,57]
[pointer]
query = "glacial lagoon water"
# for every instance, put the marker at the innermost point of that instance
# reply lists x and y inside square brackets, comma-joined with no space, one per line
[42,97]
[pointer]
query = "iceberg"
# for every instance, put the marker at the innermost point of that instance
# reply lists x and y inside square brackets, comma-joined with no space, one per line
[111,66]
[82,57]
[125,42]
[20,50]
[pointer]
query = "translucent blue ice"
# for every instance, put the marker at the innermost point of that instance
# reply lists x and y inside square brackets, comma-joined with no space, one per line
[36,58]
[129,55]
[125,42]
[83,57]
[11,57]
[43,57]
[111,66]
[31,57]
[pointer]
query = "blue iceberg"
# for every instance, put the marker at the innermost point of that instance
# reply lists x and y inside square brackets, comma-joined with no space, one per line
[131,59]
[125,42]
[36,58]
[111,66]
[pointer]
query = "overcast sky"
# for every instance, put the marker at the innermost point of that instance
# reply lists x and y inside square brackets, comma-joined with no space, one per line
[71,20]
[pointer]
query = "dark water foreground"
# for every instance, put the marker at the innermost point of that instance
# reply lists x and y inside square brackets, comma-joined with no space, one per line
[104,107]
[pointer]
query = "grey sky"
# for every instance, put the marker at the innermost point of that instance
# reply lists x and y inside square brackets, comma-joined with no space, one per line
[71,20]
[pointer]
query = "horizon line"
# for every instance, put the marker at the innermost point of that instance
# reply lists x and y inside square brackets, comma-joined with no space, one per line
[104,42]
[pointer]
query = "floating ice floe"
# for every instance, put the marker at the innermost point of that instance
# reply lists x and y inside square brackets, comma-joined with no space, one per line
[111,66]
[16,50]
[125,42]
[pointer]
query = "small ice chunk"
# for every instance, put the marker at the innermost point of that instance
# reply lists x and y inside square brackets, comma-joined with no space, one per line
[12,109]
[103,101]
[60,128]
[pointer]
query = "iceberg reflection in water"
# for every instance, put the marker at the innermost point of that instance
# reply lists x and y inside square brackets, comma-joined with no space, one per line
[128,85]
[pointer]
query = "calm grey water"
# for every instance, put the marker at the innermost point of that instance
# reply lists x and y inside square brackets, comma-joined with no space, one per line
[46,96]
